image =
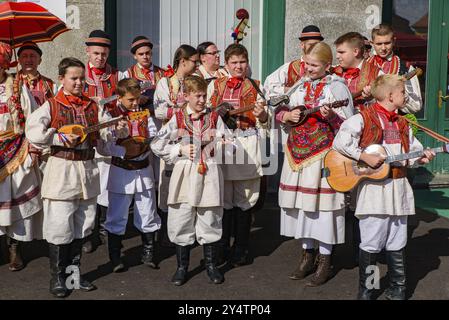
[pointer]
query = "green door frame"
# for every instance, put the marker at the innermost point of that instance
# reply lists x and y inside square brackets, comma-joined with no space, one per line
[273,37]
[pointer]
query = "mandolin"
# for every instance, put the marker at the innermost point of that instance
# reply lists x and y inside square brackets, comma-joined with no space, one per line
[305,112]
[83,131]
[344,174]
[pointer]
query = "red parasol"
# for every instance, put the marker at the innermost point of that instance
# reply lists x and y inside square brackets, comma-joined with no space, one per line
[26,21]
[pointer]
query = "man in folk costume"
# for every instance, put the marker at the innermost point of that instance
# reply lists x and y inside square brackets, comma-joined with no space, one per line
[101,80]
[242,180]
[144,70]
[383,206]
[20,198]
[310,209]
[71,180]
[287,75]
[41,87]
[383,42]
[357,72]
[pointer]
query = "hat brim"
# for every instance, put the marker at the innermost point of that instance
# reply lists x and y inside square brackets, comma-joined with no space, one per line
[97,44]
[39,51]
[134,49]
[311,38]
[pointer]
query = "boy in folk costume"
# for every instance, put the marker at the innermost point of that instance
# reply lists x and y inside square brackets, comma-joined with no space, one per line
[242,180]
[144,70]
[132,178]
[383,42]
[30,57]
[287,75]
[195,199]
[71,181]
[20,198]
[357,72]
[168,99]
[310,209]
[383,206]
[101,81]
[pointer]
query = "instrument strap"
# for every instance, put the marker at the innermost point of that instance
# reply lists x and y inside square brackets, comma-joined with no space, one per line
[431,133]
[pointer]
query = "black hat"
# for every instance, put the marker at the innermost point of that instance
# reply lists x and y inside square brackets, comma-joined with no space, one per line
[99,38]
[31,46]
[311,32]
[139,42]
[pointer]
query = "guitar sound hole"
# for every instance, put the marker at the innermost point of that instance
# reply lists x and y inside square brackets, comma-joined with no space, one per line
[361,168]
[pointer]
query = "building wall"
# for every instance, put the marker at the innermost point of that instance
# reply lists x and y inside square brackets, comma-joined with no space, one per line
[71,43]
[334,18]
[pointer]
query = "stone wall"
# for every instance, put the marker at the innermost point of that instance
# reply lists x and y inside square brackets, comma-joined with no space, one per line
[334,18]
[71,43]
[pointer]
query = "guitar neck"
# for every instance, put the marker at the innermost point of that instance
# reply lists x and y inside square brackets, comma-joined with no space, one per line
[316,109]
[103,125]
[411,155]
[110,99]
[241,110]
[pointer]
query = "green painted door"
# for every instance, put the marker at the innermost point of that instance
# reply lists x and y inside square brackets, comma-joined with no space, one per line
[437,76]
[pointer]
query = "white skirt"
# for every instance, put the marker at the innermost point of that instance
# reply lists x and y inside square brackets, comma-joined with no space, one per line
[27,229]
[324,226]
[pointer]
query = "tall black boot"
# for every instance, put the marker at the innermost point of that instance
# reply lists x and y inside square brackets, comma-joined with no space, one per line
[58,255]
[210,256]
[396,274]
[148,250]
[102,233]
[365,259]
[183,258]
[15,257]
[242,227]
[224,244]
[75,260]
[114,248]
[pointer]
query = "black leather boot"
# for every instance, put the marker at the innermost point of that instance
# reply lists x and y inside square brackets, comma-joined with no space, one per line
[242,227]
[396,274]
[366,259]
[15,257]
[183,258]
[210,257]
[58,255]
[75,260]
[163,238]
[306,265]
[114,248]
[224,244]
[148,250]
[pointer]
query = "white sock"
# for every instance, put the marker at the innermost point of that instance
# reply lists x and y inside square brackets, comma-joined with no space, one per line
[325,249]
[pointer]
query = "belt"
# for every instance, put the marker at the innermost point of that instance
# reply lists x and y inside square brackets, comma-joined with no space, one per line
[246,133]
[130,164]
[398,172]
[72,154]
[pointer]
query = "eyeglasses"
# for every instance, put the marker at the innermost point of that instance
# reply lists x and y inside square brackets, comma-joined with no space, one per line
[213,53]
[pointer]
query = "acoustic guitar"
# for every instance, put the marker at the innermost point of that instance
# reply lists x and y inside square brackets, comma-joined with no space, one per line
[344,174]
[83,131]
[305,112]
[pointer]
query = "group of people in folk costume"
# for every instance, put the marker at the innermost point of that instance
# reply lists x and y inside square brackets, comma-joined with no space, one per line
[75,189]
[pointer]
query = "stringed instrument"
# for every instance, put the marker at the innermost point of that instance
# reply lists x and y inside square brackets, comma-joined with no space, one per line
[239,32]
[305,112]
[228,113]
[344,174]
[83,131]
[417,72]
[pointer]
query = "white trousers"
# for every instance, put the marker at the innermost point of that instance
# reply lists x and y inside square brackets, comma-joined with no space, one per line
[383,232]
[241,194]
[186,223]
[65,221]
[145,214]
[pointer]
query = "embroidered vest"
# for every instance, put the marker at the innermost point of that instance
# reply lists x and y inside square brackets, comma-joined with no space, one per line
[62,113]
[244,96]
[388,67]
[373,133]
[108,83]
[296,70]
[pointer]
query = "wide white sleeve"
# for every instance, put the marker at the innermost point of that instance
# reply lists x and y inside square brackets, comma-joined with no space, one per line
[275,83]
[210,91]
[164,144]
[38,130]
[348,137]
[339,91]
[27,101]
[415,145]
[413,91]
[162,101]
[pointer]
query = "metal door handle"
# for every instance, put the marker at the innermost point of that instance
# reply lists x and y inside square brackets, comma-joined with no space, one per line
[441,98]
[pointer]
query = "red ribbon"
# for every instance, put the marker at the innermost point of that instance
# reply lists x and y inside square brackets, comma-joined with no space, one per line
[379,60]
[351,73]
[74,100]
[392,116]
[169,72]
[234,83]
